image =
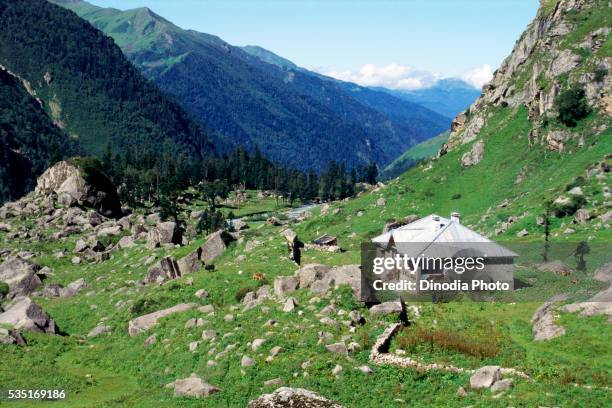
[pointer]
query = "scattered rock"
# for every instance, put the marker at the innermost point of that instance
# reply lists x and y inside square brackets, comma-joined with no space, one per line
[387,308]
[23,313]
[11,337]
[485,377]
[285,397]
[145,322]
[246,361]
[290,305]
[98,330]
[501,385]
[556,267]
[192,386]
[338,348]
[285,284]
[20,275]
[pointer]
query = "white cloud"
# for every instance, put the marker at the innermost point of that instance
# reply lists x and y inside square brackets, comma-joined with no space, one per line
[404,77]
[392,76]
[478,77]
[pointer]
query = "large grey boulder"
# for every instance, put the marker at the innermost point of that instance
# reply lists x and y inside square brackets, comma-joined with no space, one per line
[189,264]
[23,313]
[192,386]
[165,269]
[165,233]
[20,275]
[485,377]
[387,308]
[214,246]
[145,322]
[285,284]
[79,181]
[285,397]
[310,273]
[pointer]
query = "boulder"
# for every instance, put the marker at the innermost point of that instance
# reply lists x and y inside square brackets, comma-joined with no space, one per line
[604,273]
[145,322]
[310,273]
[338,348]
[285,284]
[543,320]
[73,288]
[23,313]
[582,216]
[98,330]
[165,233]
[501,385]
[11,337]
[192,386]
[214,246]
[556,267]
[292,397]
[79,181]
[294,245]
[20,275]
[485,377]
[189,264]
[387,308]
[165,269]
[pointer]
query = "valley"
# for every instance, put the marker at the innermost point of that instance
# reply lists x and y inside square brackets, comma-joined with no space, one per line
[184,267]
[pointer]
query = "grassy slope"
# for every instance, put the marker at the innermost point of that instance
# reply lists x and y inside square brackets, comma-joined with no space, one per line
[118,360]
[415,154]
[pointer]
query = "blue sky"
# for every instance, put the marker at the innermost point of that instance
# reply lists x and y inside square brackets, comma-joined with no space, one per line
[400,44]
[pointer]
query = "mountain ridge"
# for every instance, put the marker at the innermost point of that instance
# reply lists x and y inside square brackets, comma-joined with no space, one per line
[294,116]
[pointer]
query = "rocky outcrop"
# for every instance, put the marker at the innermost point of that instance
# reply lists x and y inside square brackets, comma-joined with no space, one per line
[292,397]
[145,322]
[23,313]
[20,275]
[474,156]
[77,182]
[540,67]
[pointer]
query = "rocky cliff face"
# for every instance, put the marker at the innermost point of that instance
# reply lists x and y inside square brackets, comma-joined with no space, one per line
[566,45]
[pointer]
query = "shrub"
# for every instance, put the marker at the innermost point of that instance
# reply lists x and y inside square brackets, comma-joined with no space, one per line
[4,289]
[456,196]
[572,106]
[568,208]
[450,340]
[600,74]
[577,182]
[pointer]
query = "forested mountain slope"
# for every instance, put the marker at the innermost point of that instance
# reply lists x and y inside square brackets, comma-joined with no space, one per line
[250,96]
[29,141]
[88,87]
